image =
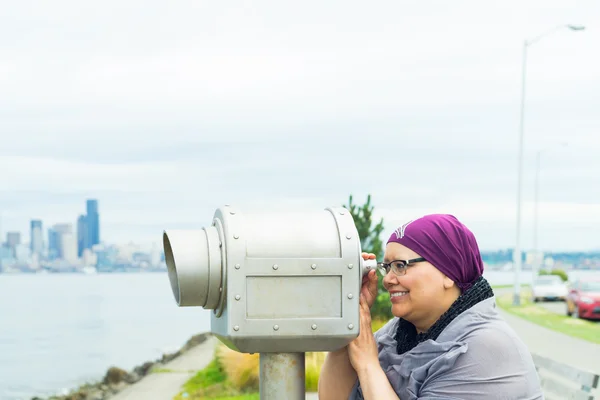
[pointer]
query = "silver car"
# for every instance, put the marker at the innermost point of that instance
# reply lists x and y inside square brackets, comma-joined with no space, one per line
[549,287]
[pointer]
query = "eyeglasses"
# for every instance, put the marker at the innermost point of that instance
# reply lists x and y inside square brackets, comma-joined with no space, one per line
[398,267]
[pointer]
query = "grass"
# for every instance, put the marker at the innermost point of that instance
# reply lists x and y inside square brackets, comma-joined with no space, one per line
[579,328]
[161,371]
[507,286]
[234,376]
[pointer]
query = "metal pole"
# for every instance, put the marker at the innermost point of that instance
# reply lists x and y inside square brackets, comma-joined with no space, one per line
[282,376]
[534,267]
[517,253]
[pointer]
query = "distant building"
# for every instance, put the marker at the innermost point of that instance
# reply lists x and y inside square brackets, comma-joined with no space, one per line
[7,257]
[55,240]
[13,239]
[90,258]
[82,234]
[92,221]
[69,248]
[37,238]
[23,254]
[53,244]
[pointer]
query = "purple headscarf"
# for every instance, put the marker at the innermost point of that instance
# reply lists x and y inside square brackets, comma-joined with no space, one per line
[446,243]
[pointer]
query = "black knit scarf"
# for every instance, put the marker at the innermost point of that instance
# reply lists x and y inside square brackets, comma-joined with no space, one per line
[406,334]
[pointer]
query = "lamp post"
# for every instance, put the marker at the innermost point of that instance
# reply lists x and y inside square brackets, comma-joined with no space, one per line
[535,267]
[517,254]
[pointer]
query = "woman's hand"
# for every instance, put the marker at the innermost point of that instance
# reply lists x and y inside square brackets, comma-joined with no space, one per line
[363,351]
[369,283]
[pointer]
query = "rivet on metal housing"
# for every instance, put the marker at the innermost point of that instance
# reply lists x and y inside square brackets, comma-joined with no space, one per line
[275,327]
[350,266]
[232,212]
[350,295]
[236,328]
[314,266]
[314,327]
[350,326]
[236,236]
[275,266]
[348,236]
[237,266]
[237,297]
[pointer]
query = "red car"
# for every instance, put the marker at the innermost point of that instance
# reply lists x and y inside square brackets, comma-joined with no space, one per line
[583,300]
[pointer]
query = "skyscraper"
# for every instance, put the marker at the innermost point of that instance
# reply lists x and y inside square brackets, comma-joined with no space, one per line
[93,223]
[82,234]
[55,239]
[13,239]
[37,238]
[53,244]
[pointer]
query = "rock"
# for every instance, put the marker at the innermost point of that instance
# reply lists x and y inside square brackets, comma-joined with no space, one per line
[116,388]
[115,375]
[132,378]
[143,369]
[195,341]
[96,395]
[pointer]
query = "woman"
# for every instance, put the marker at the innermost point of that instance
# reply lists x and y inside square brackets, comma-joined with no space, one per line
[447,340]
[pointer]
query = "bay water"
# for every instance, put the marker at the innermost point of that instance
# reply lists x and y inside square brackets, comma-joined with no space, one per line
[58,331]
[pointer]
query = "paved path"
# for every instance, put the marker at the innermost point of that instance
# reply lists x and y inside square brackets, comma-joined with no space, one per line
[558,346]
[165,385]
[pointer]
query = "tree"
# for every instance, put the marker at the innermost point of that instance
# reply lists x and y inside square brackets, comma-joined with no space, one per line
[370,241]
[559,272]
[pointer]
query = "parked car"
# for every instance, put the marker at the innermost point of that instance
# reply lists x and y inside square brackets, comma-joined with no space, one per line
[549,287]
[583,300]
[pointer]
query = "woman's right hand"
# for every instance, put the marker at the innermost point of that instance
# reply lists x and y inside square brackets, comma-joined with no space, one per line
[369,282]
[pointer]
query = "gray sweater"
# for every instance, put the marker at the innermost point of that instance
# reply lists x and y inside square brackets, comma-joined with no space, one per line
[477,356]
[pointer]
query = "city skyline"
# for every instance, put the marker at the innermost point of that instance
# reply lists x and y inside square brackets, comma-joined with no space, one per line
[152,243]
[49,242]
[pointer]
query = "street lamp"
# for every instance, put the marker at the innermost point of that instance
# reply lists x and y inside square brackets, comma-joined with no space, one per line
[517,253]
[535,265]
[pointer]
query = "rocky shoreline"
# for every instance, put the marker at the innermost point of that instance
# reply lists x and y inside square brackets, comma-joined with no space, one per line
[116,379]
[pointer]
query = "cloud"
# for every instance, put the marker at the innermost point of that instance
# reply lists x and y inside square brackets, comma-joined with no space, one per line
[164,113]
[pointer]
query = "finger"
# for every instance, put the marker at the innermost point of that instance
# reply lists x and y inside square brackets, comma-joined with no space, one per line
[373,275]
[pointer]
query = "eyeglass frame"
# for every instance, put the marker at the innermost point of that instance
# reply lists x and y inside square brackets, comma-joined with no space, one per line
[383,267]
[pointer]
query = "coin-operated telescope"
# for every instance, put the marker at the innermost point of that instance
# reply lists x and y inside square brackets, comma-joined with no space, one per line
[279,284]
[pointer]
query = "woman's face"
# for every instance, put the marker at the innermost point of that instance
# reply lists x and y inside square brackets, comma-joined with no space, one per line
[422,294]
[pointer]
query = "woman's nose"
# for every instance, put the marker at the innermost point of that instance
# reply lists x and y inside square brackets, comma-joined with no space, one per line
[389,279]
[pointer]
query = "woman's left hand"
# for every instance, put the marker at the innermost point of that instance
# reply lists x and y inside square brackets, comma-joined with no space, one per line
[363,350]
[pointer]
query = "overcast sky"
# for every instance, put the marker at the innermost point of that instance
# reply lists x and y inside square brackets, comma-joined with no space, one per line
[164,111]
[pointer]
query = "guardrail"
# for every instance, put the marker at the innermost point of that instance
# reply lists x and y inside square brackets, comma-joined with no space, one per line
[564,382]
